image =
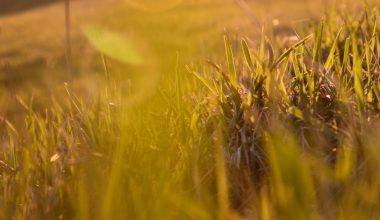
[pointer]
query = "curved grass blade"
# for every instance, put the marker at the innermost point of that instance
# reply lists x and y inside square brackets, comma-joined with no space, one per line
[317,50]
[288,51]
[204,82]
[230,61]
[330,59]
[247,54]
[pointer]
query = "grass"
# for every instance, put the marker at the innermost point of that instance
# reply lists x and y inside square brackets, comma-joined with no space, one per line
[297,120]
[270,132]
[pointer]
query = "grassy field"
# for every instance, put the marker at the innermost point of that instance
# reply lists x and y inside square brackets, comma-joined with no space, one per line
[191,110]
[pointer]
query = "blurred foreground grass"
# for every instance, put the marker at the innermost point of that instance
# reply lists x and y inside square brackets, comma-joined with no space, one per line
[284,127]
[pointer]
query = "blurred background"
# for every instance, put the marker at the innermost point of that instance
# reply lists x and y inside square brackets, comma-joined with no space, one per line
[160,34]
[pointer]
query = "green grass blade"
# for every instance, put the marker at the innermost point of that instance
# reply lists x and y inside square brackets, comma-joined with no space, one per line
[230,61]
[330,59]
[247,54]
[346,58]
[358,87]
[204,82]
[317,51]
[288,51]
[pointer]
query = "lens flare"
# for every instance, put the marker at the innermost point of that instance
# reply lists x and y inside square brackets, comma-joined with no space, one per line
[153,5]
[134,65]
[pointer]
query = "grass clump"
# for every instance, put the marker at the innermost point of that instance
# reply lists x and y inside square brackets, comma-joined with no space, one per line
[296,121]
